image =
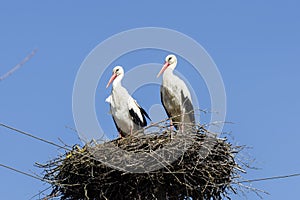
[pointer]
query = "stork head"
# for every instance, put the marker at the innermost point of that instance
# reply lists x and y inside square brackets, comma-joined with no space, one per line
[117,75]
[170,62]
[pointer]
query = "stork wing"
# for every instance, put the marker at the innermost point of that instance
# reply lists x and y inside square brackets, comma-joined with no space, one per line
[179,111]
[119,130]
[108,99]
[164,96]
[123,134]
[137,113]
[171,105]
[187,109]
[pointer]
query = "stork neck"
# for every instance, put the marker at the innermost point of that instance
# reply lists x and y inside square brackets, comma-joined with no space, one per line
[117,81]
[168,74]
[169,70]
[172,66]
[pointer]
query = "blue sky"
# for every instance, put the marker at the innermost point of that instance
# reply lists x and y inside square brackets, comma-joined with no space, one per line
[255,45]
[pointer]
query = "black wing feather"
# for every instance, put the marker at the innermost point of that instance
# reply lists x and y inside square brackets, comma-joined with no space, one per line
[136,118]
[144,113]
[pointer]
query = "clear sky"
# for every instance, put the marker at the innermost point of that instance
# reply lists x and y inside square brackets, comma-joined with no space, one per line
[255,45]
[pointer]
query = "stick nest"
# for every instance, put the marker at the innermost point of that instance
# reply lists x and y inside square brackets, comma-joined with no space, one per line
[165,165]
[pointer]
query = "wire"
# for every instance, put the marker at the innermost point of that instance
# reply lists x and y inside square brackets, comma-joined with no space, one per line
[35,137]
[41,139]
[29,175]
[269,178]
[24,173]
[44,190]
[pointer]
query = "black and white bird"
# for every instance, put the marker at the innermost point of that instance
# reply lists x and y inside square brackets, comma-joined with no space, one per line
[128,116]
[175,95]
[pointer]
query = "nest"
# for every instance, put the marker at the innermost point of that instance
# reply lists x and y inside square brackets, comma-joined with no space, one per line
[165,165]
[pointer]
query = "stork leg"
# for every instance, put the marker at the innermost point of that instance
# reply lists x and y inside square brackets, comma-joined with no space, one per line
[182,127]
[171,125]
[120,135]
[171,129]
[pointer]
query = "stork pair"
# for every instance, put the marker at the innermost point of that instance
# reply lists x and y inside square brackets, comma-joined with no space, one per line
[129,117]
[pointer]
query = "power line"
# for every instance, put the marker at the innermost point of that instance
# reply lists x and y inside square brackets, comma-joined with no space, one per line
[32,136]
[41,139]
[44,190]
[24,173]
[269,178]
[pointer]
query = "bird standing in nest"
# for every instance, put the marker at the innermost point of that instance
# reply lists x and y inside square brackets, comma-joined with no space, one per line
[127,114]
[175,95]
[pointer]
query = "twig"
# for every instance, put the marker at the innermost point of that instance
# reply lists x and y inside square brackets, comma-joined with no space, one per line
[15,68]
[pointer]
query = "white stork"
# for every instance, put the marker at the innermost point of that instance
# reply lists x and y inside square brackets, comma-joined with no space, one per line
[128,116]
[175,95]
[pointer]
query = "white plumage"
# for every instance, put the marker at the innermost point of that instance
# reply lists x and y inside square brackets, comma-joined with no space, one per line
[175,95]
[128,116]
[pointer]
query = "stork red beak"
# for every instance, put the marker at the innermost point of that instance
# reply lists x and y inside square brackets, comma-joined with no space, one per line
[166,65]
[112,78]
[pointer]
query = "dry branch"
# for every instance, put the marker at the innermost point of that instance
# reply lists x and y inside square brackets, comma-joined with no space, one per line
[19,65]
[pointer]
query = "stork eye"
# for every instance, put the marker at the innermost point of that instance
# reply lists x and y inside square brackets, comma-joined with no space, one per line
[117,70]
[169,58]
